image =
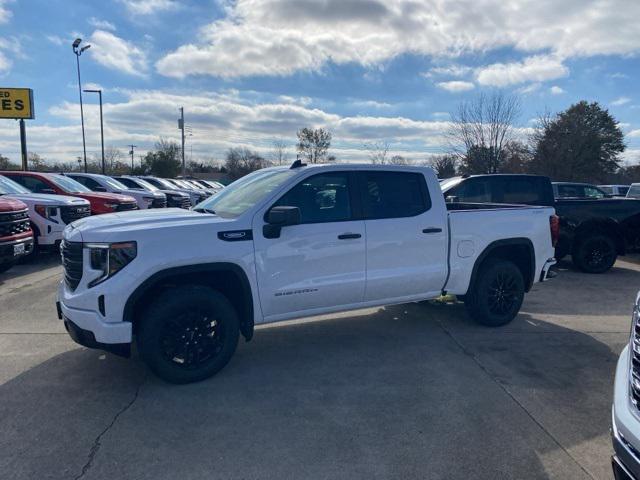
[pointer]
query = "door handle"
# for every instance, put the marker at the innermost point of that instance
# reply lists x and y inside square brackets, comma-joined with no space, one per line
[431,230]
[347,236]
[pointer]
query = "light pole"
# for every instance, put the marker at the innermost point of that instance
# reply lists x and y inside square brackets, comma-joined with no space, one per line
[99,92]
[131,153]
[78,52]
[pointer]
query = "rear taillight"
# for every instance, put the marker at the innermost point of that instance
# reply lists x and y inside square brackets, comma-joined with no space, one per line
[554,227]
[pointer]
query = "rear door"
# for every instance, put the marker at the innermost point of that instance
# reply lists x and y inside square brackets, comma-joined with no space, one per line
[406,236]
[320,263]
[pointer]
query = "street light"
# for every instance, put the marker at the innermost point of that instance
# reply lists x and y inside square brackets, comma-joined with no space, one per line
[99,92]
[78,51]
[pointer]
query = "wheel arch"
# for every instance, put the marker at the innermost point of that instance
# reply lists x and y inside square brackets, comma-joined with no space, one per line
[518,250]
[228,278]
[603,226]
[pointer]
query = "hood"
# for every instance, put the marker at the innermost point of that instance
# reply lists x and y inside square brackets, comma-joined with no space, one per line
[50,200]
[106,197]
[10,204]
[132,225]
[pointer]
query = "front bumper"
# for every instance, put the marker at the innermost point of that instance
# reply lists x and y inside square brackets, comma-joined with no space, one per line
[546,272]
[86,338]
[625,425]
[7,249]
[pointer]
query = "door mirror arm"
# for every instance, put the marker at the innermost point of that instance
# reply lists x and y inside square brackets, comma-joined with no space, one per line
[278,217]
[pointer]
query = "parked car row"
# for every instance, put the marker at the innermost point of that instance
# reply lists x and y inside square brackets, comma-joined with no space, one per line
[35,207]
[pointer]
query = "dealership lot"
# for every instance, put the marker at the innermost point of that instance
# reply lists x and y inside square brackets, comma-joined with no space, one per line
[410,391]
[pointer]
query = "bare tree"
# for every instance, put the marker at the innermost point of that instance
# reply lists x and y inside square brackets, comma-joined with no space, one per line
[313,144]
[242,161]
[399,160]
[378,152]
[279,152]
[481,128]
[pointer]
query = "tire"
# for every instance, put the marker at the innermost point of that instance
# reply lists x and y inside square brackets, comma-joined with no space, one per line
[496,296]
[595,253]
[179,320]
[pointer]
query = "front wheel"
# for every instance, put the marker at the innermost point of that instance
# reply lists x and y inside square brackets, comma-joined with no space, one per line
[4,266]
[595,254]
[188,334]
[497,294]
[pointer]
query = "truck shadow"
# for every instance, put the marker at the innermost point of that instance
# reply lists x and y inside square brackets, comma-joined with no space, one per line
[385,393]
[35,263]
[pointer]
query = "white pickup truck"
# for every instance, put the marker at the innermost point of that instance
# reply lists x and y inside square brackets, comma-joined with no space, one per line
[284,243]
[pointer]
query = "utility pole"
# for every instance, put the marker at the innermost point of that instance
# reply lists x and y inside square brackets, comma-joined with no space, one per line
[23,145]
[131,153]
[181,127]
[99,92]
[78,51]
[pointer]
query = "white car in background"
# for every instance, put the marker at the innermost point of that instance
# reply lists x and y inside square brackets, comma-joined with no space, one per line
[49,214]
[104,183]
[195,196]
[615,190]
[625,414]
[175,199]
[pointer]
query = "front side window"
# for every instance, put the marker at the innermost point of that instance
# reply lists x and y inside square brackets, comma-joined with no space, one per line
[8,186]
[321,198]
[475,190]
[32,183]
[593,192]
[394,194]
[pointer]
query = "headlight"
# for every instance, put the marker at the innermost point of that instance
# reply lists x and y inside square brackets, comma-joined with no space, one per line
[634,355]
[46,212]
[110,258]
[148,199]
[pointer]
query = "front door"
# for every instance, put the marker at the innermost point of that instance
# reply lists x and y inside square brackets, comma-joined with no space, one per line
[320,263]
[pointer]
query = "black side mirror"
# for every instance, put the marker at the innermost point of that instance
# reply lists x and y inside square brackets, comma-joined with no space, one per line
[279,217]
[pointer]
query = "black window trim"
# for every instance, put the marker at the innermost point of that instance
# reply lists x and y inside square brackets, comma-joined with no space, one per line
[354,199]
[362,188]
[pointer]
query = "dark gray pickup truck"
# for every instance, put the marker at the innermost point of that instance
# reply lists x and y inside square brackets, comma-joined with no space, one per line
[593,232]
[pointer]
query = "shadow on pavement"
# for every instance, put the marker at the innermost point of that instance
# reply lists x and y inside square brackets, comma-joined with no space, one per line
[388,394]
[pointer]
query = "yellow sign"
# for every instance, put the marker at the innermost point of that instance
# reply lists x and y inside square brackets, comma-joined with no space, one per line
[16,103]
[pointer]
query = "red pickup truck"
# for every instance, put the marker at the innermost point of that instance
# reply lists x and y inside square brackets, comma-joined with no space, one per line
[16,237]
[39,182]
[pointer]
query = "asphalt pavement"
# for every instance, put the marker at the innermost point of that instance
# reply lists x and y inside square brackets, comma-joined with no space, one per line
[408,391]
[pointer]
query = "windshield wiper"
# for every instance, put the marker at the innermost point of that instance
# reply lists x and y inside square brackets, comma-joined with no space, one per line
[204,210]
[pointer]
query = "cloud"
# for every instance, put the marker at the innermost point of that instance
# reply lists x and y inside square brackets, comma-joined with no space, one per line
[538,68]
[634,133]
[149,7]
[5,64]
[456,86]
[531,88]
[117,54]
[56,40]
[451,70]
[5,13]
[556,90]
[101,24]
[620,101]
[220,120]
[281,37]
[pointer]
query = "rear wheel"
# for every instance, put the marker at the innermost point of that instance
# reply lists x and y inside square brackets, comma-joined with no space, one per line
[497,294]
[595,254]
[189,334]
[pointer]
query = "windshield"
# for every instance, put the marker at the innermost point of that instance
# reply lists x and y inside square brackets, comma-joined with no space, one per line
[113,183]
[449,182]
[8,186]
[161,183]
[68,184]
[243,194]
[146,185]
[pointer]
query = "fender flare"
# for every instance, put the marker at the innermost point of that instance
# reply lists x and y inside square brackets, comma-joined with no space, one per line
[246,317]
[507,242]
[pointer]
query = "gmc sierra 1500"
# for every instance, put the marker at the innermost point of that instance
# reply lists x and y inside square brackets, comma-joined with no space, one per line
[283,243]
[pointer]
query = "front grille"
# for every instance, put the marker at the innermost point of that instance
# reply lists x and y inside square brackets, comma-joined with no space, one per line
[123,207]
[71,253]
[70,213]
[14,223]
[179,202]
[158,203]
[635,357]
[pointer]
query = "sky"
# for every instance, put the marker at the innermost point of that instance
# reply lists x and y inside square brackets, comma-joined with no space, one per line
[252,72]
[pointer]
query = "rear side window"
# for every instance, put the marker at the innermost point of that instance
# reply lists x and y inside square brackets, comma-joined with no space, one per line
[128,182]
[634,191]
[393,194]
[321,198]
[474,190]
[523,190]
[623,190]
[571,191]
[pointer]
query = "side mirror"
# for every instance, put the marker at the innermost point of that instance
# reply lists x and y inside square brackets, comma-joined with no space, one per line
[279,217]
[99,189]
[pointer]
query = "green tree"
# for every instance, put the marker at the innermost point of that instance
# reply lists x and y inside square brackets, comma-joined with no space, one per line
[583,143]
[313,144]
[164,161]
